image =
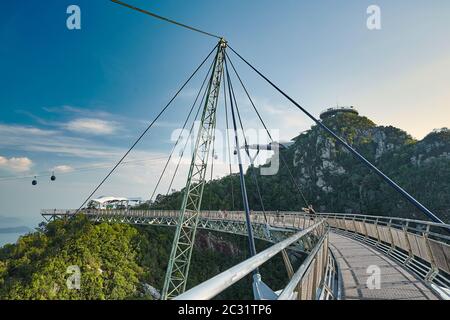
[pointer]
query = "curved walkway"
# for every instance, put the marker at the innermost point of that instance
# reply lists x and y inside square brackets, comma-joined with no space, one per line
[396,283]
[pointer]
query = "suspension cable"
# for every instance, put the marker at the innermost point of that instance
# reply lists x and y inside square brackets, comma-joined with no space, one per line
[187,141]
[270,136]
[154,15]
[253,173]
[228,142]
[212,169]
[181,132]
[251,239]
[394,185]
[146,130]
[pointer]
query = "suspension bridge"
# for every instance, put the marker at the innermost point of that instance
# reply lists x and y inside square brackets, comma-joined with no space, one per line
[411,257]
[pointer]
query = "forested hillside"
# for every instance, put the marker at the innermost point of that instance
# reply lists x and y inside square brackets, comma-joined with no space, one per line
[334,181]
[116,261]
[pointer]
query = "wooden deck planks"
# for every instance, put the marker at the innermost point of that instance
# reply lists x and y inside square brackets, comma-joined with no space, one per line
[354,258]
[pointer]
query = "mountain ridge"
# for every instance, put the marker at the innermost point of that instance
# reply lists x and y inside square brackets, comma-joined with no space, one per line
[334,181]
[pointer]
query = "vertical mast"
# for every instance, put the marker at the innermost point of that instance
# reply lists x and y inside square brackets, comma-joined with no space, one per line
[261,291]
[251,239]
[180,257]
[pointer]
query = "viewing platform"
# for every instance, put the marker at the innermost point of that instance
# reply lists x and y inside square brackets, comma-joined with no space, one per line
[331,112]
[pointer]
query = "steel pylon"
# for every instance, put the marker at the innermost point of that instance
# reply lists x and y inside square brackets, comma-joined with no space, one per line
[180,257]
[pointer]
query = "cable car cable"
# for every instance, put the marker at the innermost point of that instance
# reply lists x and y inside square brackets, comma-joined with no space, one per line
[80,169]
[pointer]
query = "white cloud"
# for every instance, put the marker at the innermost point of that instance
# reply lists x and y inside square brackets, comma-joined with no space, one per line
[16,164]
[92,126]
[63,169]
[32,139]
[22,130]
[80,111]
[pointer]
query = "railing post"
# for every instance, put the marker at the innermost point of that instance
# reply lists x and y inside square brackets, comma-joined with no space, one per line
[354,225]
[391,236]
[287,263]
[378,233]
[433,270]
[408,243]
[366,233]
[325,254]
[314,266]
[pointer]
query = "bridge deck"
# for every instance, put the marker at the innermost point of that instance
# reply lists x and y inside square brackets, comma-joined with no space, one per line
[396,283]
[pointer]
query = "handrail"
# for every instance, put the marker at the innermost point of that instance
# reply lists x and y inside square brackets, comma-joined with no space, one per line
[351,215]
[419,246]
[212,287]
[435,230]
[288,291]
[294,213]
[392,221]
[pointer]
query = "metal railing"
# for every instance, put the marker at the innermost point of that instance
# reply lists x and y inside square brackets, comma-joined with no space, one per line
[420,246]
[332,285]
[313,265]
[307,282]
[277,227]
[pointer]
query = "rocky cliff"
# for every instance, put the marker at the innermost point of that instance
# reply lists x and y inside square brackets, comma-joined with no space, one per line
[334,181]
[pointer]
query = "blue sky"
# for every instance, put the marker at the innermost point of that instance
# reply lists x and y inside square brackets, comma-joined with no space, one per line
[72,99]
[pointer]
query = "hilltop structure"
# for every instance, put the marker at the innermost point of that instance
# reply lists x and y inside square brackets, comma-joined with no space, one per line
[331,112]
